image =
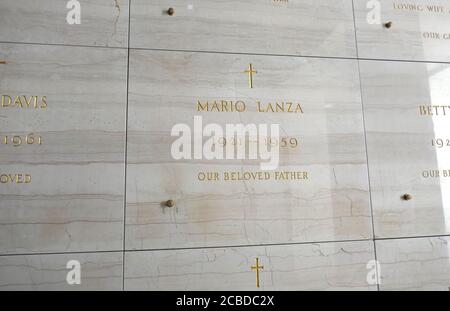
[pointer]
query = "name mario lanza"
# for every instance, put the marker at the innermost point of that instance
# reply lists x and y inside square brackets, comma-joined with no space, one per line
[241,106]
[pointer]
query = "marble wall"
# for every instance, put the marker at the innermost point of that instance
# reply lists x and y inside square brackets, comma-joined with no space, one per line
[359,200]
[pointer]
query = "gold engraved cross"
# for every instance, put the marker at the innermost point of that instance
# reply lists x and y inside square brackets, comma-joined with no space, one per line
[250,73]
[257,267]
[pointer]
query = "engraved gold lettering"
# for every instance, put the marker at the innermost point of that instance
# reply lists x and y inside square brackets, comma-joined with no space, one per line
[28,101]
[408,7]
[15,178]
[4,103]
[44,102]
[279,107]
[18,102]
[433,173]
[440,143]
[417,8]
[4,179]
[17,140]
[23,101]
[291,175]
[262,176]
[435,8]
[434,110]
[245,176]
[221,106]
[282,142]
[431,35]
[208,176]
[241,106]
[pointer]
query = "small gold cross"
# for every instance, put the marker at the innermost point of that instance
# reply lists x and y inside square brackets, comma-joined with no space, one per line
[250,73]
[257,267]
[2,62]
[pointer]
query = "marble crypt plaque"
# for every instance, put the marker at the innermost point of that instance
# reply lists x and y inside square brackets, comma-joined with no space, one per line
[319,192]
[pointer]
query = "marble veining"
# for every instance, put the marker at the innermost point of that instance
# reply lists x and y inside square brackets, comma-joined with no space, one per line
[329,266]
[420,264]
[401,155]
[75,199]
[294,27]
[99,272]
[104,23]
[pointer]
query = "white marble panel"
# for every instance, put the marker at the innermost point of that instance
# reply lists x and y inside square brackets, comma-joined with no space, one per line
[294,27]
[103,22]
[420,264]
[98,272]
[329,266]
[420,29]
[331,204]
[404,150]
[74,200]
